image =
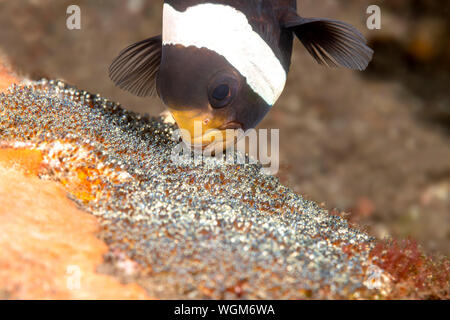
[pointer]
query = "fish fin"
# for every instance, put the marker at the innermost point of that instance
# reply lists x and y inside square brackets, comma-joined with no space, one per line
[137,66]
[331,42]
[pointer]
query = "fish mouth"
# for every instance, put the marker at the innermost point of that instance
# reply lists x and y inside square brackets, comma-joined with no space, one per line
[203,130]
[218,138]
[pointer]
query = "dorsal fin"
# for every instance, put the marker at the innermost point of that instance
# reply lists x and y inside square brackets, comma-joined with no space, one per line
[331,42]
[137,66]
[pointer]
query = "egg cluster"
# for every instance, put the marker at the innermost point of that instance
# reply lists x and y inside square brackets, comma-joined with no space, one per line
[205,230]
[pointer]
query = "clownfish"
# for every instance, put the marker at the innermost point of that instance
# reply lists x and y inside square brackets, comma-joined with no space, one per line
[225,63]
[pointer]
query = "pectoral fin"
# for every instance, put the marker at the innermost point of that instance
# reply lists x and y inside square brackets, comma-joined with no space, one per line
[332,43]
[136,67]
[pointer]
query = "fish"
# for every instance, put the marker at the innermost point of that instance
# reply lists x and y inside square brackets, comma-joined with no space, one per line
[222,65]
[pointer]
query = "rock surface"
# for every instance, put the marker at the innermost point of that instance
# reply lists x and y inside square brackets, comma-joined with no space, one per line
[206,230]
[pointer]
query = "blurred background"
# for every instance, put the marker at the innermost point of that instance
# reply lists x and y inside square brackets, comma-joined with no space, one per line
[375,144]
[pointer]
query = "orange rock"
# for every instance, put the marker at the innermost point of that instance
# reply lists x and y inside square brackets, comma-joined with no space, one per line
[27,160]
[48,247]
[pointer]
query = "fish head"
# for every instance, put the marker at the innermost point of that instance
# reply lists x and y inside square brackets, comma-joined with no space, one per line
[206,95]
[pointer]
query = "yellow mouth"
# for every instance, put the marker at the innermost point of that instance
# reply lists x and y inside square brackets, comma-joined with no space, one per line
[203,130]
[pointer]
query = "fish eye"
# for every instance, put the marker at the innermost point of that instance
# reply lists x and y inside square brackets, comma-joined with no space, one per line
[222,90]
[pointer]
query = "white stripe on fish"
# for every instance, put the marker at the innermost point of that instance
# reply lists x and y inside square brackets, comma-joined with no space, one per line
[227,31]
